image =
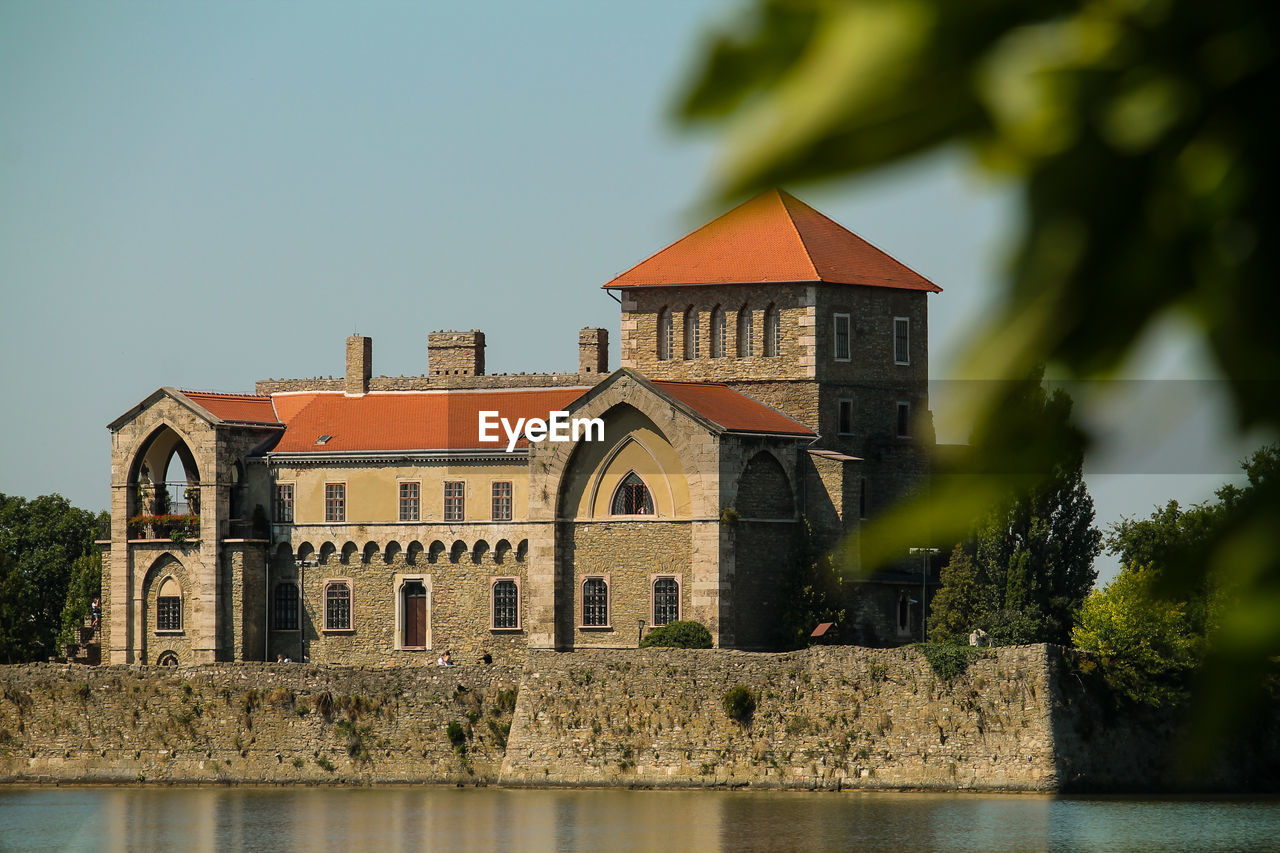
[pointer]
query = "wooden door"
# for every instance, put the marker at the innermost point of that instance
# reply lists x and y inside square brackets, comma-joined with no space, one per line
[415,614]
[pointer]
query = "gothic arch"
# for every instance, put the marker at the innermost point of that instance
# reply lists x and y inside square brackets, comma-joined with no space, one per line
[764,489]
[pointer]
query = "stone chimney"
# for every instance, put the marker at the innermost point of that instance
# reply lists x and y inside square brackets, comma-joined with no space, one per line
[593,351]
[359,364]
[455,353]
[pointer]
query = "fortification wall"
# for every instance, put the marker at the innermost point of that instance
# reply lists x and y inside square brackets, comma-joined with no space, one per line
[252,723]
[834,717]
[1019,719]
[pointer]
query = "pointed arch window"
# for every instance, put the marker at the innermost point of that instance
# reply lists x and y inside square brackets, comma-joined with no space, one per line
[666,335]
[692,334]
[719,332]
[772,332]
[632,497]
[746,333]
[169,606]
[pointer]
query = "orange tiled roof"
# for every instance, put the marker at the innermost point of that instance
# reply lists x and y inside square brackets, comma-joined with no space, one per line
[249,408]
[772,237]
[419,420]
[733,411]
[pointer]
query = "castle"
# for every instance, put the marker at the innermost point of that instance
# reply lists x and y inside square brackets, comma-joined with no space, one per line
[773,373]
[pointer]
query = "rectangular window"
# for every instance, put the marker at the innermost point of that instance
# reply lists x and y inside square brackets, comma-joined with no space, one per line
[284,503]
[901,340]
[904,420]
[506,604]
[454,500]
[842,335]
[409,501]
[666,601]
[335,502]
[502,501]
[285,612]
[846,417]
[595,603]
[169,613]
[337,606]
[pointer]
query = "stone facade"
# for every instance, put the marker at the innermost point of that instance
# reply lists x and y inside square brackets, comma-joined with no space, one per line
[1019,719]
[726,483]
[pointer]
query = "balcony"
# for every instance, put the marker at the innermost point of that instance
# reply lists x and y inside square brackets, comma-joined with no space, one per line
[176,528]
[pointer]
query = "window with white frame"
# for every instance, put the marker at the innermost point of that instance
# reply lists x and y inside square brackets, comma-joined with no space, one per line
[502,501]
[284,503]
[410,501]
[842,336]
[719,332]
[746,333]
[692,334]
[666,335]
[337,605]
[595,602]
[772,332]
[506,604]
[901,340]
[335,502]
[454,500]
[666,600]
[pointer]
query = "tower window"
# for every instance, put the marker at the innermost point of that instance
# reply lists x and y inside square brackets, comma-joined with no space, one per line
[692,334]
[746,333]
[719,332]
[845,426]
[904,420]
[666,335]
[772,332]
[841,348]
[901,340]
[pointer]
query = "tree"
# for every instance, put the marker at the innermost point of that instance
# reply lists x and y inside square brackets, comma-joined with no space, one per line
[813,592]
[1144,643]
[1029,564]
[84,586]
[39,541]
[1134,133]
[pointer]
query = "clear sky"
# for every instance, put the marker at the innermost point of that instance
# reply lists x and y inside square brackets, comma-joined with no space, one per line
[206,194]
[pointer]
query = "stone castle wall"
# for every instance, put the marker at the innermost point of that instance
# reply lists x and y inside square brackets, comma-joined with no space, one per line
[252,723]
[1019,719]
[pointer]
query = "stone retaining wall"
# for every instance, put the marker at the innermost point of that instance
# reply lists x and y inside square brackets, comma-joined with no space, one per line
[1019,719]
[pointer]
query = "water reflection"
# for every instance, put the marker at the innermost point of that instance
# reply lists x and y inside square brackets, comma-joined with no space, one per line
[447,819]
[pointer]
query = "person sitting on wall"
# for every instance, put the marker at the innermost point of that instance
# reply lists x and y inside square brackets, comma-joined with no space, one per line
[485,658]
[95,613]
[446,659]
[978,638]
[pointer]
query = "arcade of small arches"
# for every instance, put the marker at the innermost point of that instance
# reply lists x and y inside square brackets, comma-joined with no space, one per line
[718,336]
[415,553]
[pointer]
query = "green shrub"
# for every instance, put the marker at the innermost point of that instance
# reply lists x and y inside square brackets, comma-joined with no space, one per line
[456,734]
[948,660]
[740,704]
[506,700]
[684,634]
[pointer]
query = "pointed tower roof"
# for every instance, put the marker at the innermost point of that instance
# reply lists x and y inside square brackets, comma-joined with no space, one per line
[773,237]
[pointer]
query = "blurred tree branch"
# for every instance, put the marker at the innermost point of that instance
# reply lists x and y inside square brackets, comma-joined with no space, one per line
[1140,134]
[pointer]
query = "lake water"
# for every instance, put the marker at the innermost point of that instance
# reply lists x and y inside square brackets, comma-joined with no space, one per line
[452,819]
